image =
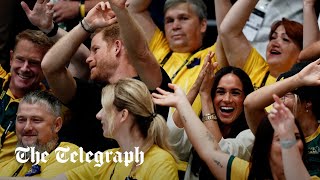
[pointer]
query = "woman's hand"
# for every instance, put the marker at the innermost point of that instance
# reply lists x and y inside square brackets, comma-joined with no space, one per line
[208,79]
[165,98]
[281,118]
[310,75]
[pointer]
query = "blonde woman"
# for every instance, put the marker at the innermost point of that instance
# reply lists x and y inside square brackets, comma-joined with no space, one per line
[128,116]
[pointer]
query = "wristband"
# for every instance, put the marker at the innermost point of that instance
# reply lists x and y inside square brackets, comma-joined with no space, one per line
[286,144]
[209,117]
[82,9]
[86,26]
[54,31]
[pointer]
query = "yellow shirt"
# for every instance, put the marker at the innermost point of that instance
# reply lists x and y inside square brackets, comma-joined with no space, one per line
[188,73]
[9,145]
[237,169]
[258,69]
[7,113]
[158,164]
[49,169]
[313,156]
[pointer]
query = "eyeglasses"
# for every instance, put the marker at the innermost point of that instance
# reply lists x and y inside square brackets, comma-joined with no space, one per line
[288,96]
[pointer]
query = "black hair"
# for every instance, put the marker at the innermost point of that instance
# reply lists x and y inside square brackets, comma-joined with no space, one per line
[240,123]
[305,93]
[260,165]
[198,167]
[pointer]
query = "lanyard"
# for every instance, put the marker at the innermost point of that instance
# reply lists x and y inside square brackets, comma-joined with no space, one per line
[3,137]
[15,174]
[265,78]
[167,57]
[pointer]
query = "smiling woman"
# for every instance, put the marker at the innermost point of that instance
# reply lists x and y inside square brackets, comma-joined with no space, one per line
[282,51]
[230,87]
[129,117]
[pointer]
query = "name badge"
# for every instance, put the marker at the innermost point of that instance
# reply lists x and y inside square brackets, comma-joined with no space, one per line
[254,23]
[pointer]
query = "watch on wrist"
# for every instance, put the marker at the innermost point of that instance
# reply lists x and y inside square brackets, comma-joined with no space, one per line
[209,117]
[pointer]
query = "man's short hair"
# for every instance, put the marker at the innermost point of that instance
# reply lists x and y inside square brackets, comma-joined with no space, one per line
[36,37]
[44,98]
[110,33]
[198,6]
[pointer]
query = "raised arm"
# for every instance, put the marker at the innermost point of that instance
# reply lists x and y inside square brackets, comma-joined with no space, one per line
[137,46]
[255,102]
[192,94]
[310,53]
[57,58]
[310,23]
[139,11]
[236,46]
[207,105]
[198,134]
[282,121]
[221,9]
[41,16]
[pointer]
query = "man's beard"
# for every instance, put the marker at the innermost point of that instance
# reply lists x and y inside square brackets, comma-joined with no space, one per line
[47,147]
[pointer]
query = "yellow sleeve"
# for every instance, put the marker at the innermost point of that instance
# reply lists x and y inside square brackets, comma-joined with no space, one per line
[159,163]
[91,171]
[237,169]
[86,171]
[165,170]
[256,67]
[9,145]
[53,167]
[3,73]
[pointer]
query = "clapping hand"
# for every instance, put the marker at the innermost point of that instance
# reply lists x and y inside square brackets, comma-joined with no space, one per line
[209,75]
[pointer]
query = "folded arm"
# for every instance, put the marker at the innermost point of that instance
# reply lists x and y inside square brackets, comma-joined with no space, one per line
[139,11]
[256,101]
[221,9]
[58,57]
[137,46]
[236,46]
[201,139]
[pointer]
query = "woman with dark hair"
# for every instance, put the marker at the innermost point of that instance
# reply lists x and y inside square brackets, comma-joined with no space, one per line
[222,96]
[260,166]
[283,153]
[225,103]
[299,89]
[219,91]
[285,44]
